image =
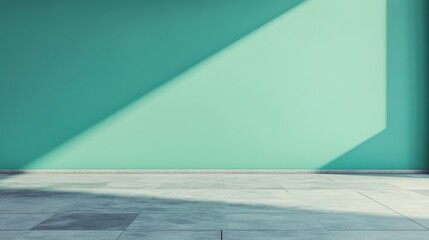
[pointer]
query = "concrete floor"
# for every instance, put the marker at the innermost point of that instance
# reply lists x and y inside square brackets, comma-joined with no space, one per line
[217,206]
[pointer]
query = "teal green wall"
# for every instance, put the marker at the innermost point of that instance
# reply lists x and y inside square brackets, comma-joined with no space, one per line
[191,84]
[404,143]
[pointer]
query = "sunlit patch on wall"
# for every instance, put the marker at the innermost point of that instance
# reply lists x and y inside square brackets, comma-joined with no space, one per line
[296,93]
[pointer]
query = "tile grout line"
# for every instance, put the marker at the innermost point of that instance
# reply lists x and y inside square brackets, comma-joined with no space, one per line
[393,210]
[284,189]
[328,178]
[326,228]
[227,220]
[120,234]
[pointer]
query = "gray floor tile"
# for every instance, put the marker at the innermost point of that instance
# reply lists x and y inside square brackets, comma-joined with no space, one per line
[193,185]
[31,193]
[371,186]
[294,222]
[34,205]
[325,193]
[168,235]
[184,206]
[278,235]
[12,235]
[333,205]
[422,219]
[312,185]
[252,185]
[195,194]
[134,185]
[25,185]
[263,206]
[424,192]
[87,221]
[21,221]
[273,194]
[159,222]
[80,185]
[107,204]
[68,235]
[382,235]
[116,204]
[348,221]
[411,183]
[404,201]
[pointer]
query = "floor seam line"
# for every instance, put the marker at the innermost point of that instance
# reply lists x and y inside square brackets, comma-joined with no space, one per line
[285,189]
[394,211]
[120,235]
[313,215]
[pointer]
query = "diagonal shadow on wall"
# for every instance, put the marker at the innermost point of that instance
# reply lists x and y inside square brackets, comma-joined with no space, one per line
[67,65]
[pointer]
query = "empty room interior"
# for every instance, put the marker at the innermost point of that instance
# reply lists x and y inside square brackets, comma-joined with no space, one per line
[214,119]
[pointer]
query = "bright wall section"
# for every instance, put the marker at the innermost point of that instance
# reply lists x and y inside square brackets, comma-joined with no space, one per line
[295,89]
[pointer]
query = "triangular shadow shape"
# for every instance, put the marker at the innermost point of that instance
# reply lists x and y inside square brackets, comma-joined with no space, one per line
[72,64]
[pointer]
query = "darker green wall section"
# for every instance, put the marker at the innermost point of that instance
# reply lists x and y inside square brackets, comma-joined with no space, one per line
[67,65]
[404,143]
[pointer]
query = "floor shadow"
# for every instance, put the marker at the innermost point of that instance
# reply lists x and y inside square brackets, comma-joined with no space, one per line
[50,209]
[66,65]
[404,142]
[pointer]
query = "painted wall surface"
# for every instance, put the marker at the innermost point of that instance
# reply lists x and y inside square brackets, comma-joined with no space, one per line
[404,142]
[244,84]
